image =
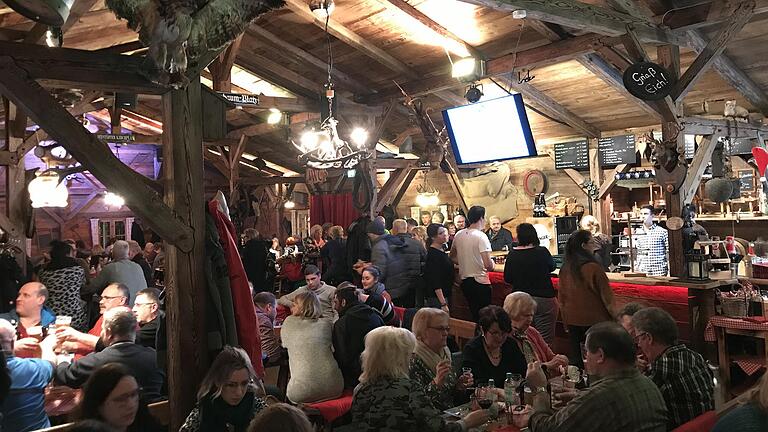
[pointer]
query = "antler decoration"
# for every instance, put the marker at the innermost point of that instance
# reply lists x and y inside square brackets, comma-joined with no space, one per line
[437,143]
[668,160]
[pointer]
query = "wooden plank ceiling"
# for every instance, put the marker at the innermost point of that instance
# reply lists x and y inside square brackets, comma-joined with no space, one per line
[375,43]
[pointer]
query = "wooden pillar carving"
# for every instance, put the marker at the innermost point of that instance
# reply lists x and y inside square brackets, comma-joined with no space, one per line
[185,284]
[15,195]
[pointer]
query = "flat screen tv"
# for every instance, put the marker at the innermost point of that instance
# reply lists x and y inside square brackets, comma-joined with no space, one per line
[489,131]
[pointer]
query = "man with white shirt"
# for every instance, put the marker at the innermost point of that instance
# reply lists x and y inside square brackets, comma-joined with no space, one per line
[471,250]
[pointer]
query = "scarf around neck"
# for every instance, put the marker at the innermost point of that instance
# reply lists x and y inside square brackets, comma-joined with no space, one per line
[217,415]
[429,357]
[525,345]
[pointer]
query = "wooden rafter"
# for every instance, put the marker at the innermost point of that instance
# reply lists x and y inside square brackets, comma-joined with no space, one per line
[731,73]
[606,187]
[17,84]
[715,47]
[289,50]
[634,8]
[278,74]
[408,9]
[583,16]
[697,14]
[388,191]
[221,67]
[700,161]
[553,108]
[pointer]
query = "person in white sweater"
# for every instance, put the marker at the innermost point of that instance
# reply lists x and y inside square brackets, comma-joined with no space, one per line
[315,375]
[325,293]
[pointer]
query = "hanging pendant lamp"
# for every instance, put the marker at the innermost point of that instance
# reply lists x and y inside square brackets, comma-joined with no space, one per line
[50,12]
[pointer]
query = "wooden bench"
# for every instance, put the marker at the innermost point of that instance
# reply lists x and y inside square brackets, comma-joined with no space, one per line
[461,330]
[161,411]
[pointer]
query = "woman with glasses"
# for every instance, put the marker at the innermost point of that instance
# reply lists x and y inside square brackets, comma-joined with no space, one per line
[387,400]
[521,308]
[230,395]
[111,395]
[431,362]
[493,354]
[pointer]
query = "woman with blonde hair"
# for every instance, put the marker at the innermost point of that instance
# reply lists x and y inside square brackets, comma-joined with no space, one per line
[229,397]
[521,308]
[315,375]
[431,362]
[420,234]
[387,400]
[281,417]
[750,417]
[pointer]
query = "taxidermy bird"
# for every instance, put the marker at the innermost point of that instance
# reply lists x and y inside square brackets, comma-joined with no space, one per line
[179,32]
[735,111]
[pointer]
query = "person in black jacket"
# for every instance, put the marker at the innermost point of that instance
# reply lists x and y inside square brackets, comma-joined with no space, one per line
[438,270]
[334,255]
[493,354]
[356,319]
[401,261]
[255,254]
[119,333]
[500,237]
[146,307]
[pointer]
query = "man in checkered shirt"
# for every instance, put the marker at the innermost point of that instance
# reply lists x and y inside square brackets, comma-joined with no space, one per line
[682,375]
[652,245]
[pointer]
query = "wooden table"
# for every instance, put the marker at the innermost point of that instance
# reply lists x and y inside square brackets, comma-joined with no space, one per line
[724,326]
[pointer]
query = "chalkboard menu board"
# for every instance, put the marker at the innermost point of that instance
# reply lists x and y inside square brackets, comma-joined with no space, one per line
[747,179]
[740,147]
[616,150]
[572,154]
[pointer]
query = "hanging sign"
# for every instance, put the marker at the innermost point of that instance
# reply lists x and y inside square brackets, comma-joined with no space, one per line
[648,81]
[116,138]
[241,98]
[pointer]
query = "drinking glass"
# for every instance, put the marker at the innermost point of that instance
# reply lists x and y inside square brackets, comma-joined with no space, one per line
[63,321]
[35,332]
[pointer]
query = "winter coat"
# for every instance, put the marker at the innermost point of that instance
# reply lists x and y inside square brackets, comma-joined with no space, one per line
[349,339]
[401,261]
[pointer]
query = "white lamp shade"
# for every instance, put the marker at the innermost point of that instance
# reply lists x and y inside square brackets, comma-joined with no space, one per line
[46,191]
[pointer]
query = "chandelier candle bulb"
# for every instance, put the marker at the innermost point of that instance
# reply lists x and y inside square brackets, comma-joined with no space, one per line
[359,136]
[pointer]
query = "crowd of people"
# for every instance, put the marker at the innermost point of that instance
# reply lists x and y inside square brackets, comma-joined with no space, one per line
[376,326]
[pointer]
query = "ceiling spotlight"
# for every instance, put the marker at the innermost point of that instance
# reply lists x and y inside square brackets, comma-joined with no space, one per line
[468,69]
[519,14]
[322,8]
[474,93]
[274,116]
[359,136]
[54,37]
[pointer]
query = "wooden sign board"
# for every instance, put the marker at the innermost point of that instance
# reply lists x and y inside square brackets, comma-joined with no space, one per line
[241,98]
[572,154]
[648,81]
[616,150]
[116,138]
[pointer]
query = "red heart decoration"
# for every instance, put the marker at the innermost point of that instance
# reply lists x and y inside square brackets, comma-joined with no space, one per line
[761,159]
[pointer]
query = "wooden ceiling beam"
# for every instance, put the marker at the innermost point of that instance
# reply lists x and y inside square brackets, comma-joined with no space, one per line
[17,85]
[352,39]
[279,75]
[408,9]
[731,73]
[691,15]
[715,47]
[73,68]
[552,107]
[289,50]
[582,16]
[535,57]
[634,8]
[123,47]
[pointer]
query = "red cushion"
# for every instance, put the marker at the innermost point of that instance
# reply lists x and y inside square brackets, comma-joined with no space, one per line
[400,312]
[334,408]
[704,422]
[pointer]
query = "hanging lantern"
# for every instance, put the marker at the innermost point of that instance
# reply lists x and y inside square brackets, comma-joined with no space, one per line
[46,191]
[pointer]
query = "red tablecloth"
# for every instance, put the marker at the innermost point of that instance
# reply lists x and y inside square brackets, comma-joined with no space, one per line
[750,367]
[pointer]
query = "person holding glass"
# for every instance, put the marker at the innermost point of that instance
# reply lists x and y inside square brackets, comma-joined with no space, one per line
[521,308]
[431,363]
[387,400]
[229,397]
[492,354]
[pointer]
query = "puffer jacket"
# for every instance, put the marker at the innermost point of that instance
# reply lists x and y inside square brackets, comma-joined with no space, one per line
[401,261]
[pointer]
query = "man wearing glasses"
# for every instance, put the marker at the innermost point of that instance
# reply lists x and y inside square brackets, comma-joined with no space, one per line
[114,295]
[146,307]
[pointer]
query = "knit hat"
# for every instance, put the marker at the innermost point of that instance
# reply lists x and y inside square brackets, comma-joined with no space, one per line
[376,227]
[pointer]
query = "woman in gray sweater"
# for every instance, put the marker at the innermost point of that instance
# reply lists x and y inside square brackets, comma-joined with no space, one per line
[315,375]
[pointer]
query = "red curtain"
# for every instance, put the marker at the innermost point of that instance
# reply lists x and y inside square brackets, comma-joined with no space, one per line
[333,208]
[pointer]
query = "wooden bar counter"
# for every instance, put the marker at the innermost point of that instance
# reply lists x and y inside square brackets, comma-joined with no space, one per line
[691,304]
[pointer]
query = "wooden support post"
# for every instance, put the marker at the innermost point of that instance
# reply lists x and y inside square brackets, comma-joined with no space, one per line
[601,208]
[185,284]
[408,180]
[610,181]
[391,187]
[674,208]
[15,192]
